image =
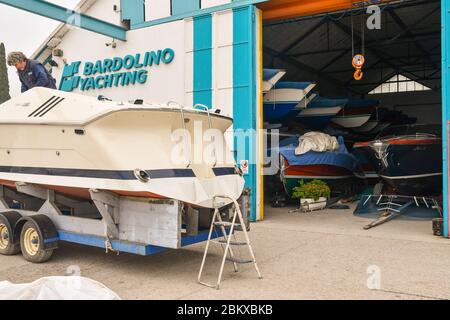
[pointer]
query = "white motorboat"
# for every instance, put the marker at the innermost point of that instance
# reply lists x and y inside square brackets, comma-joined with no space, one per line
[72,144]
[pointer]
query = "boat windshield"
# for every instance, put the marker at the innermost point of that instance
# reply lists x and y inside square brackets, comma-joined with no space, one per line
[414,129]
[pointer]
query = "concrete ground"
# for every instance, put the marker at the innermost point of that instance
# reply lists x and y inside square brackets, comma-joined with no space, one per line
[320,255]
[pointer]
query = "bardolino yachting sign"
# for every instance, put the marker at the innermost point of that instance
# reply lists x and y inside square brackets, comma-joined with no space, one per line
[113,72]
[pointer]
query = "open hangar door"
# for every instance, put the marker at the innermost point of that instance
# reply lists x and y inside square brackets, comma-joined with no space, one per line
[399,95]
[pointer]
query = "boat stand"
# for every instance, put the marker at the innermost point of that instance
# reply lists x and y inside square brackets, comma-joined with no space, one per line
[393,206]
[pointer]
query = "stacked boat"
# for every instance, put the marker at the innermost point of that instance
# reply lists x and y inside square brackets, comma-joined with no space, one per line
[320,111]
[285,100]
[298,103]
[355,113]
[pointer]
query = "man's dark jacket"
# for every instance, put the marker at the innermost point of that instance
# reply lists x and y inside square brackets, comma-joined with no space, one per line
[35,75]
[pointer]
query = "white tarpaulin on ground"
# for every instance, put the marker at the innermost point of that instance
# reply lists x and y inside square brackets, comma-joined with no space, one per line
[316,141]
[57,288]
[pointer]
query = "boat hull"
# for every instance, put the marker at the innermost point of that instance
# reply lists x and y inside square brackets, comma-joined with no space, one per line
[370,164]
[291,176]
[414,169]
[278,111]
[368,126]
[281,102]
[105,144]
[353,117]
[353,121]
[317,118]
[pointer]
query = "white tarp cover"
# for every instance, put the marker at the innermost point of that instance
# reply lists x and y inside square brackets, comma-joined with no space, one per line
[316,141]
[57,288]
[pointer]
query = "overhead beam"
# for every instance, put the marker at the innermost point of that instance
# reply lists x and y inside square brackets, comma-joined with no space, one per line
[377,43]
[61,14]
[376,84]
[286,9]
[384,57]
[305,35]
[407,29]
[334,59]
[303,66]
[338,14]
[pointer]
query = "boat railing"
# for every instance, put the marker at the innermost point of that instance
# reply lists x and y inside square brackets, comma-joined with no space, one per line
[205,108]
[183,123]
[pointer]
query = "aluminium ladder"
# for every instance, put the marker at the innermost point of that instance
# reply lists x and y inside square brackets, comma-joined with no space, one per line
[232,226]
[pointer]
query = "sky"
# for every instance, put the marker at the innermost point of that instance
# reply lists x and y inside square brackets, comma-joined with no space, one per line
[24,31]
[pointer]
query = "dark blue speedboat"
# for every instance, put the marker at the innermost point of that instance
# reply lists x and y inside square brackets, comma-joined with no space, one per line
[411,159]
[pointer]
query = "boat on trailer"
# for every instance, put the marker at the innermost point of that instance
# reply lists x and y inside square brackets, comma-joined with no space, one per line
[72,143]
[114,175]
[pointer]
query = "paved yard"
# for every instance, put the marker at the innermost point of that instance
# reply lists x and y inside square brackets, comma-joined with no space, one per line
[321,255]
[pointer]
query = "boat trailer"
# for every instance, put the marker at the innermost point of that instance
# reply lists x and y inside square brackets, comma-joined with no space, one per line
[390,207]
[33,219]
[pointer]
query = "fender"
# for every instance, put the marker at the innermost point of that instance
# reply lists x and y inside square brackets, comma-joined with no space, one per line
[11,219]
[46,230]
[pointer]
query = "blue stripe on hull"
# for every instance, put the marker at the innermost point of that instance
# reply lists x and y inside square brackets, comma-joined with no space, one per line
[110,174]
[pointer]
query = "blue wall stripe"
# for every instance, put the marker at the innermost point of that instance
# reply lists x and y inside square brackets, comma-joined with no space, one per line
[185,6]
[445,7]
[203,60]
[244,95]
[133,10]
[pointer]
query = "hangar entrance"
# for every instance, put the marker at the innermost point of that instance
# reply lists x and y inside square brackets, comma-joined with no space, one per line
[386,119]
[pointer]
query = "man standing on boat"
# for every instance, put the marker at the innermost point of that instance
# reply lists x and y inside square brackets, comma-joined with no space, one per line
[31,72]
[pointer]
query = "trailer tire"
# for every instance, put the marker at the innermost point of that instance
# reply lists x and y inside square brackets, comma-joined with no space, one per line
[32,244]
[8,245]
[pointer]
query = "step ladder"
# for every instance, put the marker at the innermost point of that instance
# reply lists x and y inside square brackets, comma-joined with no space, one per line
[226,241]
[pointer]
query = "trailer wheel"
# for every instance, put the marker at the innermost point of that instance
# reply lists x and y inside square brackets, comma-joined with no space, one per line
[8,246]
[32,244]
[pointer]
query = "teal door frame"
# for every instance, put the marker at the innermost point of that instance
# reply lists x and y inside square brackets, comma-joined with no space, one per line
[445,27]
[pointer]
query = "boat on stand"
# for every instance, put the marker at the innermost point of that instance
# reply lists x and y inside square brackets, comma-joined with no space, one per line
[319,112]
[335,167]
[271,77]
[411,159]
